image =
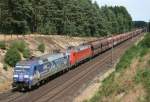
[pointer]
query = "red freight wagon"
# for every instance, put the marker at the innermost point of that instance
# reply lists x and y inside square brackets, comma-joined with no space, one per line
[110,42]
[96,47]
[116,39]
[105,44]
[80,53]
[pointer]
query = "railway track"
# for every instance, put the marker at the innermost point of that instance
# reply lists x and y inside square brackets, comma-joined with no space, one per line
[52,95]
[66,85]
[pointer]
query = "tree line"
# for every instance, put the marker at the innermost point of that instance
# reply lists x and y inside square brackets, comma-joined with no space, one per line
[141,24]
[63,17]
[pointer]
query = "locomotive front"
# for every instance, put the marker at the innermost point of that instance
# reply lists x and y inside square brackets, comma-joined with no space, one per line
[22,77]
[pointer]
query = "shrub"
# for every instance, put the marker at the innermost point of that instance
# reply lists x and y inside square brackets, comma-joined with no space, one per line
[19,45]
[41,47]
[2,45]
[26,53]
[12,57]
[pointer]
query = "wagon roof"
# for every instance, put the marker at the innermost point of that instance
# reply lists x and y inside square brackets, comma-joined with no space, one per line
[42,59]
[27,62]
[55,56]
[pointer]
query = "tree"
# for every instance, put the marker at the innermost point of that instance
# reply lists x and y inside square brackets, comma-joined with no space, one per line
[19,45]
[148,26]
[63,17]
[2,45]
[12,57]
[139,24]
[26,53]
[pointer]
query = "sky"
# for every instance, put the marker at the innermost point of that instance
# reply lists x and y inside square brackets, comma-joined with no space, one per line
[139,9]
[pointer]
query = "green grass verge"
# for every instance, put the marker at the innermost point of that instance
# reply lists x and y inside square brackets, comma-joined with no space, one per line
[109,85]
[143,76]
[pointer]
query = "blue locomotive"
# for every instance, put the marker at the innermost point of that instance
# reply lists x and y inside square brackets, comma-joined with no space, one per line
[30,72]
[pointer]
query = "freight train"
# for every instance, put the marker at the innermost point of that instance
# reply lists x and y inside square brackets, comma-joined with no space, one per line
[31,72]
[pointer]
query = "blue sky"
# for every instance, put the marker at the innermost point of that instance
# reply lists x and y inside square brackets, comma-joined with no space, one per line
[139,9]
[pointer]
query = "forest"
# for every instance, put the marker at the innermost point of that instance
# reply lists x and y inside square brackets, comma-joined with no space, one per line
[63,17]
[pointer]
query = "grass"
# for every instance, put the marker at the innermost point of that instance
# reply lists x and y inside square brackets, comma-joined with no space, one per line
[111,85]
[41,47]
[143,76]
[126,59]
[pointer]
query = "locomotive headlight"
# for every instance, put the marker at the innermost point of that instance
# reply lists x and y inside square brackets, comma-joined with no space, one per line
[31,77]
[26,76]
[15,76]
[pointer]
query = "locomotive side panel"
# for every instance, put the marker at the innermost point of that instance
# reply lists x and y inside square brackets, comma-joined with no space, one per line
[77,56]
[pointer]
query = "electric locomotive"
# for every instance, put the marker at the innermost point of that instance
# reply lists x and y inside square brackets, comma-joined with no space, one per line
[31,72]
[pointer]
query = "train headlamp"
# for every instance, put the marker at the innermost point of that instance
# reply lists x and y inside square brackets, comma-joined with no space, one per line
[31,77]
